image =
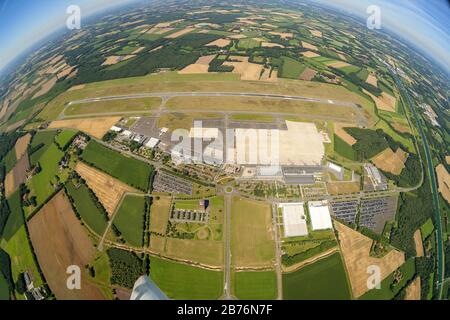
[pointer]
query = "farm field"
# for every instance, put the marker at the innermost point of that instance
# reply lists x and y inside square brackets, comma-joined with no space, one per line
[96,127]
[43,183]
[129,170]
[207,252]
[159,214]
[252,285]
[15,242]
[130,219]
[41,140]
[390,161]
[291,68]
[108,190]
[324,279]
[4,289]
[68,245]
[86,207]
[355,249]
[65,137]
[22,145]
[180,281]
[17,175]
[443,178]
[388,290]
[143,104]
[252,243]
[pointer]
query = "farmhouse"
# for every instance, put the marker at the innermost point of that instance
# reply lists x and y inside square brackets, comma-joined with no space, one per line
[294,219]
[320,215]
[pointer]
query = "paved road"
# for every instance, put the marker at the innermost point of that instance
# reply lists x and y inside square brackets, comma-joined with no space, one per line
[278,252]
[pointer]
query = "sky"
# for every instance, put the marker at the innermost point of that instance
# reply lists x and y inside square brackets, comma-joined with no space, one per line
[424,22]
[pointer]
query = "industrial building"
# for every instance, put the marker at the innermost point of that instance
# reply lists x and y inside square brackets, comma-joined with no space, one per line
[319,214]
[294,219]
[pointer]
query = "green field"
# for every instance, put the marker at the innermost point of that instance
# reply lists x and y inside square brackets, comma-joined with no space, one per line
[363,74]
[129,170]
[187,204]
[15,219]
[87,208]
[388,289]
[344,149]
[4,289]
[323,280]
[16,243]
[65,137]
[180,281]
[10,160]
[255,285]
[130,219]
[349,69]
[291,68]
[43,182]
[248,43]
[44,138]
[427,229]
[141,104]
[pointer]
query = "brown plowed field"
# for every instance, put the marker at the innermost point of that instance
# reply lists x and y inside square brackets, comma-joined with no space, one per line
[60,241]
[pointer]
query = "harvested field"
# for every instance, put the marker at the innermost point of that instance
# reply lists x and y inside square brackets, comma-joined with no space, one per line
[158,30]
[268,76]
[237,36]
[283,35]
[310,54]
[341,133]
[413,290]
[111,60]
[308,74]
[107,189]
[77,87]
[221,43]
[400,127]
[96,127]
[17,175]
[447,159]
[157,243]
[385,102]
[22,145]
[252,243]
[343,187]
[45,87]
[247,70]
[338,64]
[316,33]
[206,252]
[159,214]
[443,181]
[418,242]
[68,245]
[356,248]
[65,72]
[194,68]
[200,66]
[309,46]
[389,161]
[138,50]
[271,45]
[180,33]
[372,79]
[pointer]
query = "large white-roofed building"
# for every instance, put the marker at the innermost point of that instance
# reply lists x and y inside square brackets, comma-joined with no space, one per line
[294,219]
[319,214]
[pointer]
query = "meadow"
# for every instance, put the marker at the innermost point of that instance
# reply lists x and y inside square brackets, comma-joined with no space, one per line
[129,170]
[180,281]
[261,285]
[87,208]
[130,219]
[324,280]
